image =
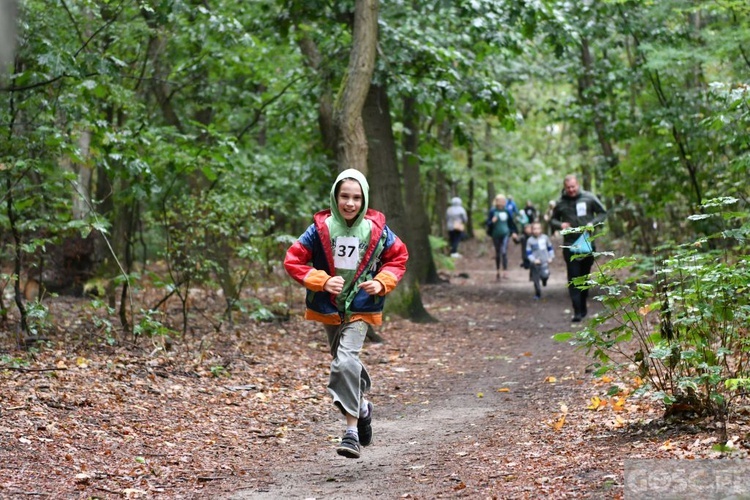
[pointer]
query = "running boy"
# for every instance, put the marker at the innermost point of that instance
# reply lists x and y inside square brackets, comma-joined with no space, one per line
[540,253]
[348,260]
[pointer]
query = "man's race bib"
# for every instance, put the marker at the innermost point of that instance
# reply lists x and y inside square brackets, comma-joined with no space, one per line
[581,208]
[346,253]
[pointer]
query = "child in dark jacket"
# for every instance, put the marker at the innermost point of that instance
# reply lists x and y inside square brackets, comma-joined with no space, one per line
[525,235]
[540,254]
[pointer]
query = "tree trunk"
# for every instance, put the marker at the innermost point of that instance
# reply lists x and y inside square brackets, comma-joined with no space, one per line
[445,137]
[7,34]
[488,160]
[418,231]
[325,101]
[442,196]
[586,96]
[472,186]
[83,172]
[351,149]
[385,186]
[73,261]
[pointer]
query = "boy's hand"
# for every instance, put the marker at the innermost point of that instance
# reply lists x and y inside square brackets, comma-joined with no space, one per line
[334,285]
[372,287]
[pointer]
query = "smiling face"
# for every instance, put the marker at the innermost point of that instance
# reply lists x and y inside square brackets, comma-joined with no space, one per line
[349,199]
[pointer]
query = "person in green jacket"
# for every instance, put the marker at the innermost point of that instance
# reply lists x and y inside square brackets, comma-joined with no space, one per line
[502,228]
[576,208]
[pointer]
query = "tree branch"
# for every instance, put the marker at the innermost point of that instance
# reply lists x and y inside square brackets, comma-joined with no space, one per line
[745,57]
[259,111]
[32,370]
[35,85]
[75,24]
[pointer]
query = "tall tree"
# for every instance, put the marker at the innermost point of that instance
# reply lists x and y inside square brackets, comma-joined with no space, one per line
[7,34]
[419,223]
[352,143]
[387,195]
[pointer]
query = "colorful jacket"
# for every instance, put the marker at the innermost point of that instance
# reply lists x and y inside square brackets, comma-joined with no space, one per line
[310,261]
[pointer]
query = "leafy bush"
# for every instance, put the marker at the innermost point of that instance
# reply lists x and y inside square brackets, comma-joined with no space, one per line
[438,246]
[684,327]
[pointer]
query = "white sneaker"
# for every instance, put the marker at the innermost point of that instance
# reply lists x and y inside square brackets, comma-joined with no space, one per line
[456,255]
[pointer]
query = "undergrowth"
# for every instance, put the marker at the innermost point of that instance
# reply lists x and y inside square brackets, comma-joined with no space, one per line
[680,324]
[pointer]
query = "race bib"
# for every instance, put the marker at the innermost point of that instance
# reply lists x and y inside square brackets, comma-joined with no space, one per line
[502,216]
[346,253]
[581,208]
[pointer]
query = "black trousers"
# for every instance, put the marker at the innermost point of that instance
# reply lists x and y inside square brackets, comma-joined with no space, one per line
[578,267]
[454,237]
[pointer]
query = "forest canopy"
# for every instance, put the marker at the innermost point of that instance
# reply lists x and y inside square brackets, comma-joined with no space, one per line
[185,144]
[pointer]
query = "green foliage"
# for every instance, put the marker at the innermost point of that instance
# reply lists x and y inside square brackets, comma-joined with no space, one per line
[219,371]
[102,322]
[149,326]
[258,311]
[438,246]
[685,328]
[179,113]
[38,318]
[199,124]
[13,361]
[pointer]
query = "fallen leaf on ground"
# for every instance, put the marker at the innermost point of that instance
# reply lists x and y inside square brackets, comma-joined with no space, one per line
[666,446]
[559,423]
[618,404]
[597,403]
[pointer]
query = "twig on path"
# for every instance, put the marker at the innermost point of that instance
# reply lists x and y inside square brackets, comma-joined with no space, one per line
[30,370]
[101,488]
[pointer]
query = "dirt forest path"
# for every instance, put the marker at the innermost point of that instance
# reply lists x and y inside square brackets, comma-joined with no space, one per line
[481,404]
[474,414]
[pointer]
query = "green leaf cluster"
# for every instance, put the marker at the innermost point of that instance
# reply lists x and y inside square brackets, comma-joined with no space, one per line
[684,326]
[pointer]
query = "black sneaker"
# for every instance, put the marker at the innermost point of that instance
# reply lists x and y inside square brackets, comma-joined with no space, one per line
[349,446]
[364,427]
[544,281]
[576,318]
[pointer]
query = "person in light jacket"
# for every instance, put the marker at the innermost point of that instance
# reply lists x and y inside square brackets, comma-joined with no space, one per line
[455,223]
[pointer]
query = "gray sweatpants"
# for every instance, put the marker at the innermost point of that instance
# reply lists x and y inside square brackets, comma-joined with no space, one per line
[349,379]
